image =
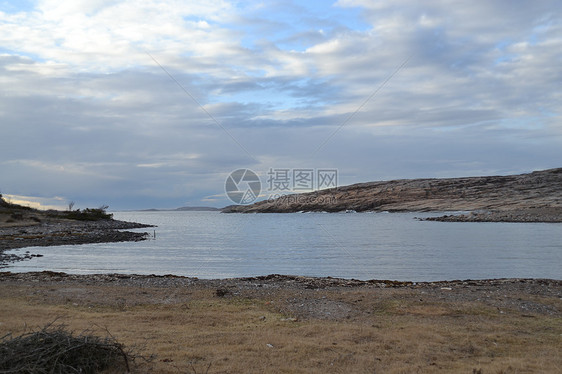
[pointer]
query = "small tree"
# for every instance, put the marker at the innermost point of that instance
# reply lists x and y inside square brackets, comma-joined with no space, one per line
[70,206]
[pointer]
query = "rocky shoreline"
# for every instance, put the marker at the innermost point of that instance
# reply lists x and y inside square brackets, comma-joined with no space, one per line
[64,232]
[536,215]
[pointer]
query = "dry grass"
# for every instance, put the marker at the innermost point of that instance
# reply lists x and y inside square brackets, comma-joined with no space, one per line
[194,331]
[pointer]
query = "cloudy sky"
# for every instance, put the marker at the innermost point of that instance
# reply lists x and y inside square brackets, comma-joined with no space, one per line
[144,103]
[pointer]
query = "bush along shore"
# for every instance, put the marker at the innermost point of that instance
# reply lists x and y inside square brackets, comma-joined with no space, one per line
[22,227]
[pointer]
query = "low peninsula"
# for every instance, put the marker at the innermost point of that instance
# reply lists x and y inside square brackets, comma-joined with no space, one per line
[22,227]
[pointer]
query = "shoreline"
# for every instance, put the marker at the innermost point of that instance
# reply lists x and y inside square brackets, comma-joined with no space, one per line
[297,281]
[530,215]
[527,215]
[279,280]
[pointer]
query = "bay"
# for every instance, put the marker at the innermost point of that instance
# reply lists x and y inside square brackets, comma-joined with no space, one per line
[348,245]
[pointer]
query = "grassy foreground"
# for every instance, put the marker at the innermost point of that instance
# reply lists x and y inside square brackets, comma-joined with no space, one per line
[197,329]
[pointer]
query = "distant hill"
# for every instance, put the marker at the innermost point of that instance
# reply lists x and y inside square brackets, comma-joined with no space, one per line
[539,189]
[197,209]
[185,209]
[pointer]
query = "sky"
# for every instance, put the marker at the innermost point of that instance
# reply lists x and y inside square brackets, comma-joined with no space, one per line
[152,104]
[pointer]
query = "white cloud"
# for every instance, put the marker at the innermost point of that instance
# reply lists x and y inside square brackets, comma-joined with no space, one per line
[480,93]
[37,202]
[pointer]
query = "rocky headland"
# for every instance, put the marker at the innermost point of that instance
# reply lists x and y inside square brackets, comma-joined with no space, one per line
[22,227]
[533,197]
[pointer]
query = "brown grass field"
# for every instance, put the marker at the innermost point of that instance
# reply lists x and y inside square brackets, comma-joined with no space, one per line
[281,327]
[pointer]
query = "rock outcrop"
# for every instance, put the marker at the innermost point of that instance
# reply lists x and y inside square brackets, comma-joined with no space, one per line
[534,191]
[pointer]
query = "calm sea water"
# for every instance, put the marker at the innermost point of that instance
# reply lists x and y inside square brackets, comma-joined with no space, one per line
[360,245]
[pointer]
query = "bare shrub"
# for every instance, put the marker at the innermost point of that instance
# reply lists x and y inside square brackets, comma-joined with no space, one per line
[54,349]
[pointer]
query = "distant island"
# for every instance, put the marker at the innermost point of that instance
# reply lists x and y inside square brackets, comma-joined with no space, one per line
[184,209]
[532,197]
